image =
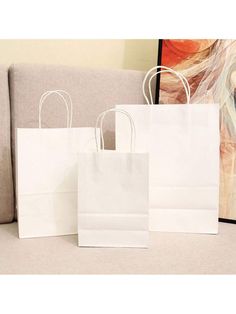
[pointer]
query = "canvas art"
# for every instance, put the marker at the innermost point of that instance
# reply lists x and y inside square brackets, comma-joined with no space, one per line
[210,67]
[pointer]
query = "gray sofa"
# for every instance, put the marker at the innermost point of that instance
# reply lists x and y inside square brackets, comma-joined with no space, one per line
[92,91]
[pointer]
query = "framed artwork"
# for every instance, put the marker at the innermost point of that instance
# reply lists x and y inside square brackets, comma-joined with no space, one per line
[210,68]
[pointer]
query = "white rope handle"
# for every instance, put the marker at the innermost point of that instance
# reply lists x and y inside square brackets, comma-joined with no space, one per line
[169,70]
[166,69]
[61,94]
[61,91]
[43,98]
[182,79]
[100,119]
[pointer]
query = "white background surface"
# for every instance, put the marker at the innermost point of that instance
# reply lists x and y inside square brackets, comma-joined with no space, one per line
[118,19]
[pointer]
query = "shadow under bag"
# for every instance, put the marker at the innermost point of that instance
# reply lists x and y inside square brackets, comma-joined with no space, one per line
[183,144]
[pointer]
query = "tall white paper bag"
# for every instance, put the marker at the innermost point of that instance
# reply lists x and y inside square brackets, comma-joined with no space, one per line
[46,175]
[183,144]
[113,199]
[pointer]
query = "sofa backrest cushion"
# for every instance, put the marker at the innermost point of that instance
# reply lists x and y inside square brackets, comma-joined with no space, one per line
[6,183]
[92,91]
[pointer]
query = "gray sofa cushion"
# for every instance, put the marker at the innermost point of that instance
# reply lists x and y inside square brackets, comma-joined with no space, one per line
[92,91]
[6,183]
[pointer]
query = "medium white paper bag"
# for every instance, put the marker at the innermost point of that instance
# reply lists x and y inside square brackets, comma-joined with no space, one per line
[183,144]
[113,196]
[46,175]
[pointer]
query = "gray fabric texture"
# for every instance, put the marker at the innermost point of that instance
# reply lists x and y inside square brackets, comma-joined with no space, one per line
[6,183]
[168,253]
[92,91]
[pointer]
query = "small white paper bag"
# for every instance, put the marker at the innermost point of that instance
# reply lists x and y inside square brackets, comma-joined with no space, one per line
[113,201]
[46,175]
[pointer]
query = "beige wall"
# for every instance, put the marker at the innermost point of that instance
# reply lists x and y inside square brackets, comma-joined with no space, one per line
[117,54]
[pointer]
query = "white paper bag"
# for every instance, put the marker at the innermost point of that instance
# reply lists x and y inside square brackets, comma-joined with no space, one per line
[46,175]
[183,142]
[113,200]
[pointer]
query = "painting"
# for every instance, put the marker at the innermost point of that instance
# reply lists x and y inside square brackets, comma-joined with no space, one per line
[210,68]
